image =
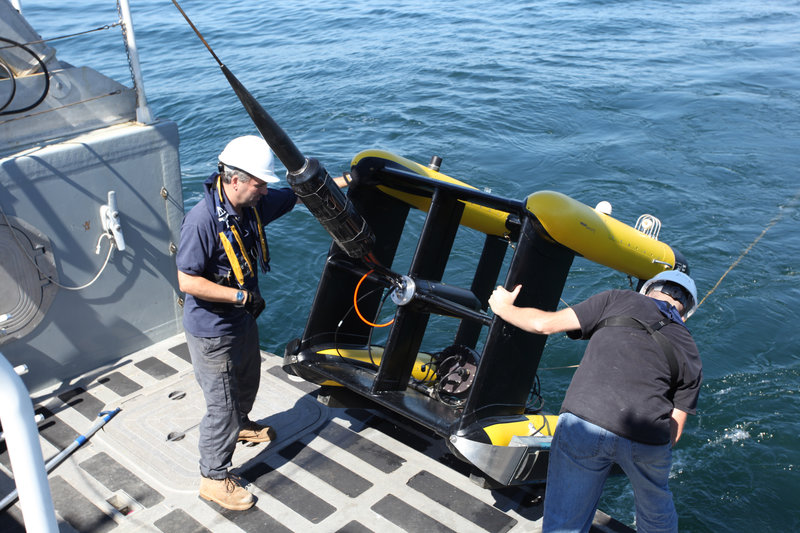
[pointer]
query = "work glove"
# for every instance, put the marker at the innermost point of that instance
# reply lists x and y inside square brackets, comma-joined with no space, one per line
[254,304]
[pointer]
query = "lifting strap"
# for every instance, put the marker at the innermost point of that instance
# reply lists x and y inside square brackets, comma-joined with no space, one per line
[653,330]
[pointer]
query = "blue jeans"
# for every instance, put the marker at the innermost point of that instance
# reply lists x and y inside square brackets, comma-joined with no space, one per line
[581,457]
[228,370]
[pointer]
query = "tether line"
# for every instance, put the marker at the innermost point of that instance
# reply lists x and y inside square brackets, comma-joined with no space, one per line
[772,222]
[769,226]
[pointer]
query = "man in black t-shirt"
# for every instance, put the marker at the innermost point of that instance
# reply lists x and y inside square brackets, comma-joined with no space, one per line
[628,402]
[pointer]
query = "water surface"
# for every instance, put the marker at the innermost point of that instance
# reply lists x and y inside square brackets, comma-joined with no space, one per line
[686,110]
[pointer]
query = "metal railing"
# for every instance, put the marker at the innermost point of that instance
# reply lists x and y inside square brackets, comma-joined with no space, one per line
[24,451]
[143,113]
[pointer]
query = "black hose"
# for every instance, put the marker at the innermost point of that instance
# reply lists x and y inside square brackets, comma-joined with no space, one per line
[369,335]
[344,317]
[46,80]
[11,77]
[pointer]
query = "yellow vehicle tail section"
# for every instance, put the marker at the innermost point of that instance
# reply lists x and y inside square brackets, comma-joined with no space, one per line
[500,434]
[599,237]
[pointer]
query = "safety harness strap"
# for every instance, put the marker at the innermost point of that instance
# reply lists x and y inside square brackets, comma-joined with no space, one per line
[652,329]
[232,259]
[242,264]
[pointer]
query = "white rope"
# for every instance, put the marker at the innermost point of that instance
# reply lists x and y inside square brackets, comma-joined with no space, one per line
[111,247]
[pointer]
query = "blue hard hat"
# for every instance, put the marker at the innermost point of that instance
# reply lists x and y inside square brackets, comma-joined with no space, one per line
[680,279]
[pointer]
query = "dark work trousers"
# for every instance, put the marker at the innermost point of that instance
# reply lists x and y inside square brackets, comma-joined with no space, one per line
[228,370]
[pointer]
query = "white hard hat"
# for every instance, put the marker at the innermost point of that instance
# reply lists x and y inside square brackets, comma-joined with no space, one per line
[251,154]
[678,278]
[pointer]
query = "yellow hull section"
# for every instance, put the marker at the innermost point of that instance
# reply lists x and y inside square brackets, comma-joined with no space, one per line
[542,425]
[499,434]
[599,237]
[478,217]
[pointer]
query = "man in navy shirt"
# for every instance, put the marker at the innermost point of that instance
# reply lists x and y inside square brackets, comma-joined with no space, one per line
[222,248]
[628,401]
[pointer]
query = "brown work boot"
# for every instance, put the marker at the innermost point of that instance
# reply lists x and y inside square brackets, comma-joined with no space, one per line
[226,492]
[255,432]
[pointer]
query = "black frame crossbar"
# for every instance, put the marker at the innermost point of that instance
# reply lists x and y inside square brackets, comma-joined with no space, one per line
[508,361]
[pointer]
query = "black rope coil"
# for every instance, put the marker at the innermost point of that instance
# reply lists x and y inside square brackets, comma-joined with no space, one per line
[8,69]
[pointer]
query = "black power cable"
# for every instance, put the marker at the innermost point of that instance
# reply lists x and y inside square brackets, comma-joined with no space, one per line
[11,77]
[45,91]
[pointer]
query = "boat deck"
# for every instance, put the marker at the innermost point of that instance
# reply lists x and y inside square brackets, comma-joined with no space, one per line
[332,468]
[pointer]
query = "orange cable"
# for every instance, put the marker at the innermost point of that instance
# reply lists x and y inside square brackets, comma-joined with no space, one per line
[355,304]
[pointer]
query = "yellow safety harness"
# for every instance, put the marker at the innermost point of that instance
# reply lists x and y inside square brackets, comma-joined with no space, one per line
[231,237]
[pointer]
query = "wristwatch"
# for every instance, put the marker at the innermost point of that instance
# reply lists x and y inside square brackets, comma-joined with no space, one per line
[239,299]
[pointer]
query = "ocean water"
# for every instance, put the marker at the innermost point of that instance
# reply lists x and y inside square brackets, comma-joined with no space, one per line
[687,110]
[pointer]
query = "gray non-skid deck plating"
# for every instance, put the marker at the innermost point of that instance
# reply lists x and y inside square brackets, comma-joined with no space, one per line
[331,468]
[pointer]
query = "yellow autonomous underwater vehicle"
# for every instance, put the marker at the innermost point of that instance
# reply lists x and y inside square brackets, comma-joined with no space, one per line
[475,399]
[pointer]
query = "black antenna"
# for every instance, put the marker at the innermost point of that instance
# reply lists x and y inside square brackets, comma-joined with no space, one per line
[307,177]
[278,140]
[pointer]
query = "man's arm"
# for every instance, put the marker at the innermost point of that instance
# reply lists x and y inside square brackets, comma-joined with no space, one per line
[677,421]
[205,289]
[531,319]
[343,180]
